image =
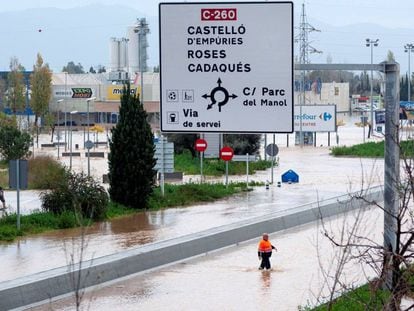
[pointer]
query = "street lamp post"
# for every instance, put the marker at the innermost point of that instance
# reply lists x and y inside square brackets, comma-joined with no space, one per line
[70,138]
[88,141]
[58,125]
[66,120]
[371,43]
[408,48]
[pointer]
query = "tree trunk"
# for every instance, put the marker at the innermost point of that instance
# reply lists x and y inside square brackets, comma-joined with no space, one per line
[37,130]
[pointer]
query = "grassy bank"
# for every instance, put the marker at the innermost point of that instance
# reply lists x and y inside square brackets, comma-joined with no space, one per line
[175,195]
[360,299]
[214,167]
[372,150]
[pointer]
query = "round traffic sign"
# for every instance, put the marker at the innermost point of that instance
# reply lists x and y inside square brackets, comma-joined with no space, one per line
[226,153]
[200,145]
[272,150]
[88,144]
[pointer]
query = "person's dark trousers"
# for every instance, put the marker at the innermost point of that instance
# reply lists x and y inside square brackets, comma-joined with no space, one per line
[265,264]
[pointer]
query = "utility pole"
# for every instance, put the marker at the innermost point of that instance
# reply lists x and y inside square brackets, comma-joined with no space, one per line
[304,50]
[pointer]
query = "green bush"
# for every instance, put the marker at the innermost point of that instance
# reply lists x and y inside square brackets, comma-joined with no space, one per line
[8,232]
[14,144]
[79,193]
[45,173]
[182,195]
[67,220]
[214,167]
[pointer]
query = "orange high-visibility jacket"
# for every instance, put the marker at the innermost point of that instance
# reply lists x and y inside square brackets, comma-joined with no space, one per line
[265,247]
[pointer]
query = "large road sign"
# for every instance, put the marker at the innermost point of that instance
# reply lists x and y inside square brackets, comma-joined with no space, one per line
[226,67]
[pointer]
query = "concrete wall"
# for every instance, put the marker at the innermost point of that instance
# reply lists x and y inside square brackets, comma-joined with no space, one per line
[46,285]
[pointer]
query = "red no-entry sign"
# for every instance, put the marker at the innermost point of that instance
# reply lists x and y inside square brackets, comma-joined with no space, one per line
[226,153]
[200,145]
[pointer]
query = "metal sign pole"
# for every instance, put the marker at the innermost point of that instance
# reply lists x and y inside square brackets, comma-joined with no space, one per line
[58,134]
[162,166]
[227,173]
[273,157]
[201,166]
[391,169]
[247,170]
[18,192]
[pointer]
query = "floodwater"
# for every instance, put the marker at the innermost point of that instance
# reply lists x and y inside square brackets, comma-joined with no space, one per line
[321,177]
[228,279]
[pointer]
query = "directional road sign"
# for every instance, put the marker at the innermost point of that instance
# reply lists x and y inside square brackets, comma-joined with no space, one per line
[164,154]
[226,67]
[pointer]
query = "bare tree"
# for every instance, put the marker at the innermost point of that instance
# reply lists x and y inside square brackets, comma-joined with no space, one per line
[385,261]
[75,259]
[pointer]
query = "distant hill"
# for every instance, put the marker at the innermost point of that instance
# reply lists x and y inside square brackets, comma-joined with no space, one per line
[82,35]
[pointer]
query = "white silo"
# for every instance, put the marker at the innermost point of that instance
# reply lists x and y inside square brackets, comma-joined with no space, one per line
[133,62]
[123,54]
[114,49]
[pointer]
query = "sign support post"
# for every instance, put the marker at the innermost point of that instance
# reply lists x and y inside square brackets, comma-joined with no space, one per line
[273,158]
[18,192]
[247,171]
[227,173]
[272,150]
[226,154]
[201,146]
[201,166]
[162,167]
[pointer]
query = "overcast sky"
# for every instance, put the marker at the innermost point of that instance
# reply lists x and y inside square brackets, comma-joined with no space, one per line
[396,13]
[343,45]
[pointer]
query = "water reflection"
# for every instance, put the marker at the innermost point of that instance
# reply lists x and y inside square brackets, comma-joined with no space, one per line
[266,278]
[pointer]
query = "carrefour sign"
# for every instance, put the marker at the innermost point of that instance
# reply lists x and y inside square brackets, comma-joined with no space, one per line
[315,118]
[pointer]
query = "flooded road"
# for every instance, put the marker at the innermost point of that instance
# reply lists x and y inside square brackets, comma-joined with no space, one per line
[321,177]
[228,279]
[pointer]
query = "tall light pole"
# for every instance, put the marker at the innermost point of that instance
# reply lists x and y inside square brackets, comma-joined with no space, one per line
[66,119]
[88,142]
[408,48]
[70,161]
[371,43]
[58,125]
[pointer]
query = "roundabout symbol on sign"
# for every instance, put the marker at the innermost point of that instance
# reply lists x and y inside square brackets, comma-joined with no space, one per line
[215,93]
